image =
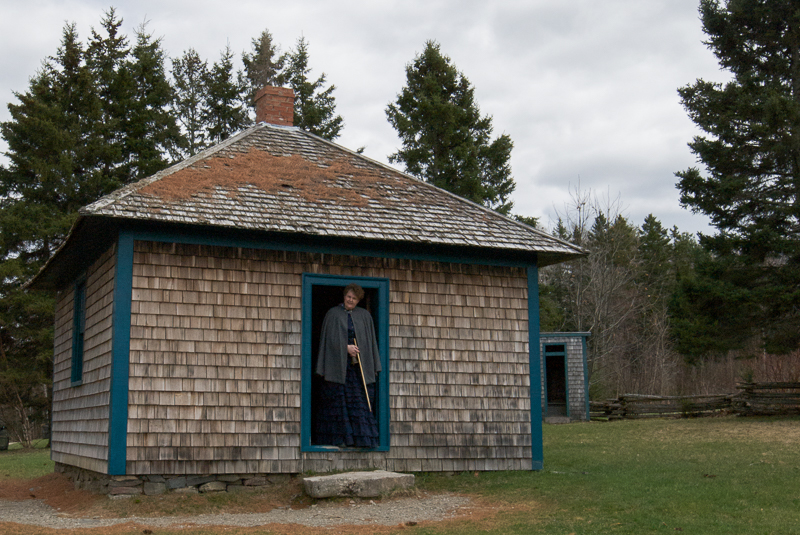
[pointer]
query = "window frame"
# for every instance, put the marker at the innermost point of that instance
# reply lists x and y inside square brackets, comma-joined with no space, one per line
[78,331]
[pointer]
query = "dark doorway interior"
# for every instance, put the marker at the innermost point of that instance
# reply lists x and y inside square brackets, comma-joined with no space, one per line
[556,380]
[323,298]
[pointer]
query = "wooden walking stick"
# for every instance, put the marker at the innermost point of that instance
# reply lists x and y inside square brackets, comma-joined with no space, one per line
[361,369]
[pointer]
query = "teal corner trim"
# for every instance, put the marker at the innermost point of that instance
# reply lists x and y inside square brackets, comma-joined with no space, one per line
[382,285]
[566,384]
[535,359]
[587,416]
[120,359]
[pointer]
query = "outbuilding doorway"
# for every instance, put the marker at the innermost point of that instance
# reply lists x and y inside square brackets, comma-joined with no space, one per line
[556,380]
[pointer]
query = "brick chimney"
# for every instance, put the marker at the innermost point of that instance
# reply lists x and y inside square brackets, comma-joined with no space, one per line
[275,105]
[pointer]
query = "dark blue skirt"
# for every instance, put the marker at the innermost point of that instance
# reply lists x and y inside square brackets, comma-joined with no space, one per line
[343,417]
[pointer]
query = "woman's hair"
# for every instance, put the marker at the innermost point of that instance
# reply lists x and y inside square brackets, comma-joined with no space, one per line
[356,289]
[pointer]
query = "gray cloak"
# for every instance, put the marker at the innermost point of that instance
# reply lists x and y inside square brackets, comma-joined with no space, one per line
[332,359]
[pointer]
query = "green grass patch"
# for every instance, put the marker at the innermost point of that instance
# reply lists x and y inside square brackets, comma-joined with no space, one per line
[36,444]
[705,476]
[710,476]
[18,463]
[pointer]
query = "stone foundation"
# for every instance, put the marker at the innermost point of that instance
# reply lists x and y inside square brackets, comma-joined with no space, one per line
[152,485]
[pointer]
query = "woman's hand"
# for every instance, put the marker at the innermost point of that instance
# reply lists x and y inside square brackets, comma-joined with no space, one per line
[352,350]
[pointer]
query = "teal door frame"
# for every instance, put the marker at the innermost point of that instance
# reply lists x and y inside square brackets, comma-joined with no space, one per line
[382,327]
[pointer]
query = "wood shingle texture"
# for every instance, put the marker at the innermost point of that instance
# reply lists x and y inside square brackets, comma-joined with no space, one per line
[204,374]
[80,412]
[285,180]
[216,364]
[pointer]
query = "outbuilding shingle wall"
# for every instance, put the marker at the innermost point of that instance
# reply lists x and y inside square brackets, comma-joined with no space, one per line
[576,371]
[215,374]
[80,412]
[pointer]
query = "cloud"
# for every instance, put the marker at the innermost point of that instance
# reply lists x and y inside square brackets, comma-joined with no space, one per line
[586,89]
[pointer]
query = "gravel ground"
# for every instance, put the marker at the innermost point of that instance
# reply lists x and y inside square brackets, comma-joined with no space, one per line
[389,513]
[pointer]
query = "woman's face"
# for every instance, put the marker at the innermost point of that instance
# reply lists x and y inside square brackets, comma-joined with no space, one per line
[350,300]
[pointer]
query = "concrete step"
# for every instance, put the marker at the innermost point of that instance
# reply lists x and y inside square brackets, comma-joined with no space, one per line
[360,484]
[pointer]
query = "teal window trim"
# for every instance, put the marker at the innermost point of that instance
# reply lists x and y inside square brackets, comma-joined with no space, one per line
[78,331]
[535,363]
[120,360]
[382,285]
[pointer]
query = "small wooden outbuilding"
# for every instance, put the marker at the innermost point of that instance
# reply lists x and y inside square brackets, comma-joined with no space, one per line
[189,306]
[564,376]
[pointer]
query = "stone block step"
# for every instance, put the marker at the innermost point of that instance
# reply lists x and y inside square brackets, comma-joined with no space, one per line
[360,484]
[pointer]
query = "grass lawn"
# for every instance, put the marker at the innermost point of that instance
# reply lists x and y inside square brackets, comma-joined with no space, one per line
[18,463]
[707,476]
[704,476]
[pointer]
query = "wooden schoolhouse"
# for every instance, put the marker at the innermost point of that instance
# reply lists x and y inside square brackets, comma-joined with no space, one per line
[189,307]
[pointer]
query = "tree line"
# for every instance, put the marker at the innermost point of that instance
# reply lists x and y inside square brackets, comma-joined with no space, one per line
[103,113]
[661,305]
[673,314]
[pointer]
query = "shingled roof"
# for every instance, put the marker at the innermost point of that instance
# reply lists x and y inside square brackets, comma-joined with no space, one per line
[281,179]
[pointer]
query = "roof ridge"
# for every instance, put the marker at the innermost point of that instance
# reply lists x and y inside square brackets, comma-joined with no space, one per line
[446,218]
[450,193]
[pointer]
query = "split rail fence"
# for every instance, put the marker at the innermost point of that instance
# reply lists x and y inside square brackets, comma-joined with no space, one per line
[751,400]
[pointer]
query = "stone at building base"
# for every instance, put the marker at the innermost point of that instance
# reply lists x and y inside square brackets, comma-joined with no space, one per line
[155,484]
[358,484]
[213,486]
[186,490]
[154,488]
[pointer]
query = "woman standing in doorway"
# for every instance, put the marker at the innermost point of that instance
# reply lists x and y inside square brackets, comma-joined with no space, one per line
[349,363]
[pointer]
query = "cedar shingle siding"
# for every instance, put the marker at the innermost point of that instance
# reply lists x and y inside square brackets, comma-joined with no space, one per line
[80,413]
[215,363]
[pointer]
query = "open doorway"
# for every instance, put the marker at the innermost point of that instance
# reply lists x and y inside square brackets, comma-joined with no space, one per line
[320,294]
[323,298]
[556,380]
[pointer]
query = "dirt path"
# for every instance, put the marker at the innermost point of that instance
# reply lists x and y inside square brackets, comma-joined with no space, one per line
[52,502]
[391,513]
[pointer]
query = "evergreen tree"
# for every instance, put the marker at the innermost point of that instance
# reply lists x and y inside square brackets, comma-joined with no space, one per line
[314,107]
[189,73]
[656,254]
[445,139]
[91,120]
[224,113]
[106,58]
[751,190]
[53,154]
[263,65]
[152,138]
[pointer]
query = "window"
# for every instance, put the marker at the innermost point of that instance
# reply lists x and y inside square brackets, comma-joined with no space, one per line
[320,293]
[78,331]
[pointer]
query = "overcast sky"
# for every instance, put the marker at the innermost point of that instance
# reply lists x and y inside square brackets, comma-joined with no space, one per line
[585,88]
